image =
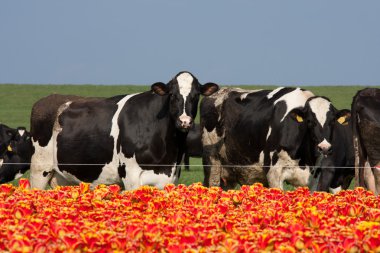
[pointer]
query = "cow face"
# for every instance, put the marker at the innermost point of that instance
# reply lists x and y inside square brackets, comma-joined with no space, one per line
[6,134]
[321,118]
[21,143]
[184,90]
[17,156]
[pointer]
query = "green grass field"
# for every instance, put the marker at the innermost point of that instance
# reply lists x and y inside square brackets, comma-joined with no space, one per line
[16,102]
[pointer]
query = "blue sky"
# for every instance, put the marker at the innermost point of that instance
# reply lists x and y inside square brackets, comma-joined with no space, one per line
[278,42]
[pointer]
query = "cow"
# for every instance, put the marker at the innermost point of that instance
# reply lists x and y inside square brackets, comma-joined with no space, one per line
[16,158]
[267,136]
[193,146]
[6,134]
[337,168]
[366,133]
[130,140]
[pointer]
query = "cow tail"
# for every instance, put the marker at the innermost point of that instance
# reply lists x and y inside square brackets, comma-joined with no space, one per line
[359,166]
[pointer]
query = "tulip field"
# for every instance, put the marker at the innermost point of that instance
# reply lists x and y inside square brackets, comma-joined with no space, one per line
[186,219]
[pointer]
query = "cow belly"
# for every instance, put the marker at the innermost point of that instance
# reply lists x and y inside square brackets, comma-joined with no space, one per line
[135,176]
[287,169]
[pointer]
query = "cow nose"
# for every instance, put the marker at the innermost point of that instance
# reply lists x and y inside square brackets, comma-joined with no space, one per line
[185,121]
[325,147]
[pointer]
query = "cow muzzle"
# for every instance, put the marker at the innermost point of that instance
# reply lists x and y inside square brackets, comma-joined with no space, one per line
[184,122]
[324,148]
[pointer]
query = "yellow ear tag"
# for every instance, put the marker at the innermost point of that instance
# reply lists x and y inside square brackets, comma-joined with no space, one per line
[341,120]
[299,118]
[9,148]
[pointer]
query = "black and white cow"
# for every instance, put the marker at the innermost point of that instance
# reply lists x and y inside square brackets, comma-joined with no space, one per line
[131,140]
[267,136]
[6,134]
[366,128]
[337,167]
[193,146]
[16,158]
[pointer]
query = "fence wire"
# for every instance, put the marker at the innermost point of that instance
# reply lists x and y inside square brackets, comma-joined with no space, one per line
[193,165]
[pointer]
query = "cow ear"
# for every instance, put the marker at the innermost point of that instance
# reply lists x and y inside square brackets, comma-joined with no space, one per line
[159,88]
[343,116]
[209,89]
[298,115]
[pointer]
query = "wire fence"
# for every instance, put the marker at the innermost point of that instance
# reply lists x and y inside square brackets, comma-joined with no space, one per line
[193,165]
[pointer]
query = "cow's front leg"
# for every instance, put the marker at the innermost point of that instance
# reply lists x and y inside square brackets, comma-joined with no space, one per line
[376,174]
[369,179]
[274,177]
[41,168]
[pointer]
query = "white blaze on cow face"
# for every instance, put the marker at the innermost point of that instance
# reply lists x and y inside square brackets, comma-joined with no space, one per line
[1,162]
[320,107]
[296,98]
[21,132]
[185,81]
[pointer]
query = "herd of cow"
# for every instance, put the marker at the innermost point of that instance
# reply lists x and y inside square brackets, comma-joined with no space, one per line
[244,136]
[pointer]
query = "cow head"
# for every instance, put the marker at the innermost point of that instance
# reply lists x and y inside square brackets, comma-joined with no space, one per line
[6,135]
[321,117]
[184,90]
[17,156]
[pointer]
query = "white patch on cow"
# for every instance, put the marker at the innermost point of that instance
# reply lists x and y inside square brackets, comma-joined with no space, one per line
[18,175]
[272,93]
[320,107]
[244,96]
[210,138]
[1,162]
[110,174]
[21,132]
[335,190]
[294,99]
[325,145]
[136,176]
[287,169]
[269,132]
[221,95]
[185,81]
[44,159]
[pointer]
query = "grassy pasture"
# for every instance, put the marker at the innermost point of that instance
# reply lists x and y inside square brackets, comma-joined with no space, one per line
[16,102]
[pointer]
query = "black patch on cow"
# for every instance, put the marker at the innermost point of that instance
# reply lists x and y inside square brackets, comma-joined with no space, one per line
[148,132]
[85,144]
[274,158]
[45,173]
[209,111]
[43,116]
[121,170]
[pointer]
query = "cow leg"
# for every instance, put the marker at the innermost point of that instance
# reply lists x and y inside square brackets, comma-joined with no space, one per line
[212,168]
[275,177]
[57,180]
[376,174]
[186,161]
[41,168]
[326,178]
[369,179]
